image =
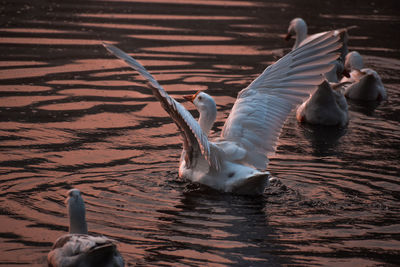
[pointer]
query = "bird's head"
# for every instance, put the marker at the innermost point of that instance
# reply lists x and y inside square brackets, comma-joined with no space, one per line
[73,195]
[207,108]
[297,25]
[353,61]
[202,101]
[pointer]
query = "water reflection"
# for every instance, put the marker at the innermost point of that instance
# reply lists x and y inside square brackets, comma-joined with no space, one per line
[214,228]
[323,139]
[365,107]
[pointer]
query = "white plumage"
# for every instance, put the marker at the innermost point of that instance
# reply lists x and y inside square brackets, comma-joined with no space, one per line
[298,28]
[237,160]
[365,83]
[326,106]
[78,249]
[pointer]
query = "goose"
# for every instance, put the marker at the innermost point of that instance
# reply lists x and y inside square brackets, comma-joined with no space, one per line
[78,248]
[326,106]
[236,161]
[365,83]
[298,28]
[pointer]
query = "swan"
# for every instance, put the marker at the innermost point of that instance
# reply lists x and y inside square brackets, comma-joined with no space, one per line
[298,28]
[236,162]
[78,248]
[326,106]
[365,83]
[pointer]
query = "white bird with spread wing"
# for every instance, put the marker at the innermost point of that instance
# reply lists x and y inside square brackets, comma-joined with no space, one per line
[237,160]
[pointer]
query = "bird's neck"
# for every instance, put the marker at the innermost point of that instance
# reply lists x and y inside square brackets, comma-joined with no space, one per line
[301,35]
[77,220]
[207,119]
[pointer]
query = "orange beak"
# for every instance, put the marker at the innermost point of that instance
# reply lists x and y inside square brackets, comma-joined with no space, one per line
[191,97]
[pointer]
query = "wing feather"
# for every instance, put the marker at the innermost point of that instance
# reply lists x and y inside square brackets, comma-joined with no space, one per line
[260,110]
[194,139]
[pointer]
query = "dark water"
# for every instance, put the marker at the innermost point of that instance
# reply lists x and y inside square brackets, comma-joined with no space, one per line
[73,116]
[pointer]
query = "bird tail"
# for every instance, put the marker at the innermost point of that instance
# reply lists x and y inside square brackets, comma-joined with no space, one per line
[102,255]
[253,185]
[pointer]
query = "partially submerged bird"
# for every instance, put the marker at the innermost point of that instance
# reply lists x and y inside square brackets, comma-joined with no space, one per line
[326,106]
[298,28]
[236,161]
[78,248]
[365,83]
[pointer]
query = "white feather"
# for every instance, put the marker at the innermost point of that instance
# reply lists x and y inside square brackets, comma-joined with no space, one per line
[236,161]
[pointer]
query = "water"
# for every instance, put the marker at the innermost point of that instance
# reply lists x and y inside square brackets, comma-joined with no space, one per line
[73,116]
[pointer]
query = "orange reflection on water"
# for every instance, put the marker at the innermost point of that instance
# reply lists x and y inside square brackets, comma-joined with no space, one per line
[213,49]
[128,26]
[47,41]
[180,37]
[210,78]
[152,109]
[82,105]
[34,136]
[368,17]
[100,120]
[160,16]
[24,88]
[103,93]
[35,30]
[90,156]
[169,55]
[232,67]
[20,63]
[104,83]
[183,88]
[106,74]
[73,67]
[192,2]
[21,101]
[91,121]
[152,62]
[381,49]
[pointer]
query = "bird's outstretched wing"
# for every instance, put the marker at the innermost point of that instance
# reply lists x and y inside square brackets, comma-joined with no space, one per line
[343,35]
[260,110]
[194,139]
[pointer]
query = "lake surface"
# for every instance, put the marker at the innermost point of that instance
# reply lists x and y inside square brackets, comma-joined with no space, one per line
[74,116]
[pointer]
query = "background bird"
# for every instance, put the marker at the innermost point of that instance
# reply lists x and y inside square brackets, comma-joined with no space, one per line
[78,248]
[365,83]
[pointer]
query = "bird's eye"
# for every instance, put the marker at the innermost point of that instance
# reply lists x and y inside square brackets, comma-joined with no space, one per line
[200,98]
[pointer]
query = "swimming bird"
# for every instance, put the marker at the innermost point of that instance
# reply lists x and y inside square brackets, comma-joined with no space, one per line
[78,248]
[365,83]
[326,106]
[298,28]
[237,160]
